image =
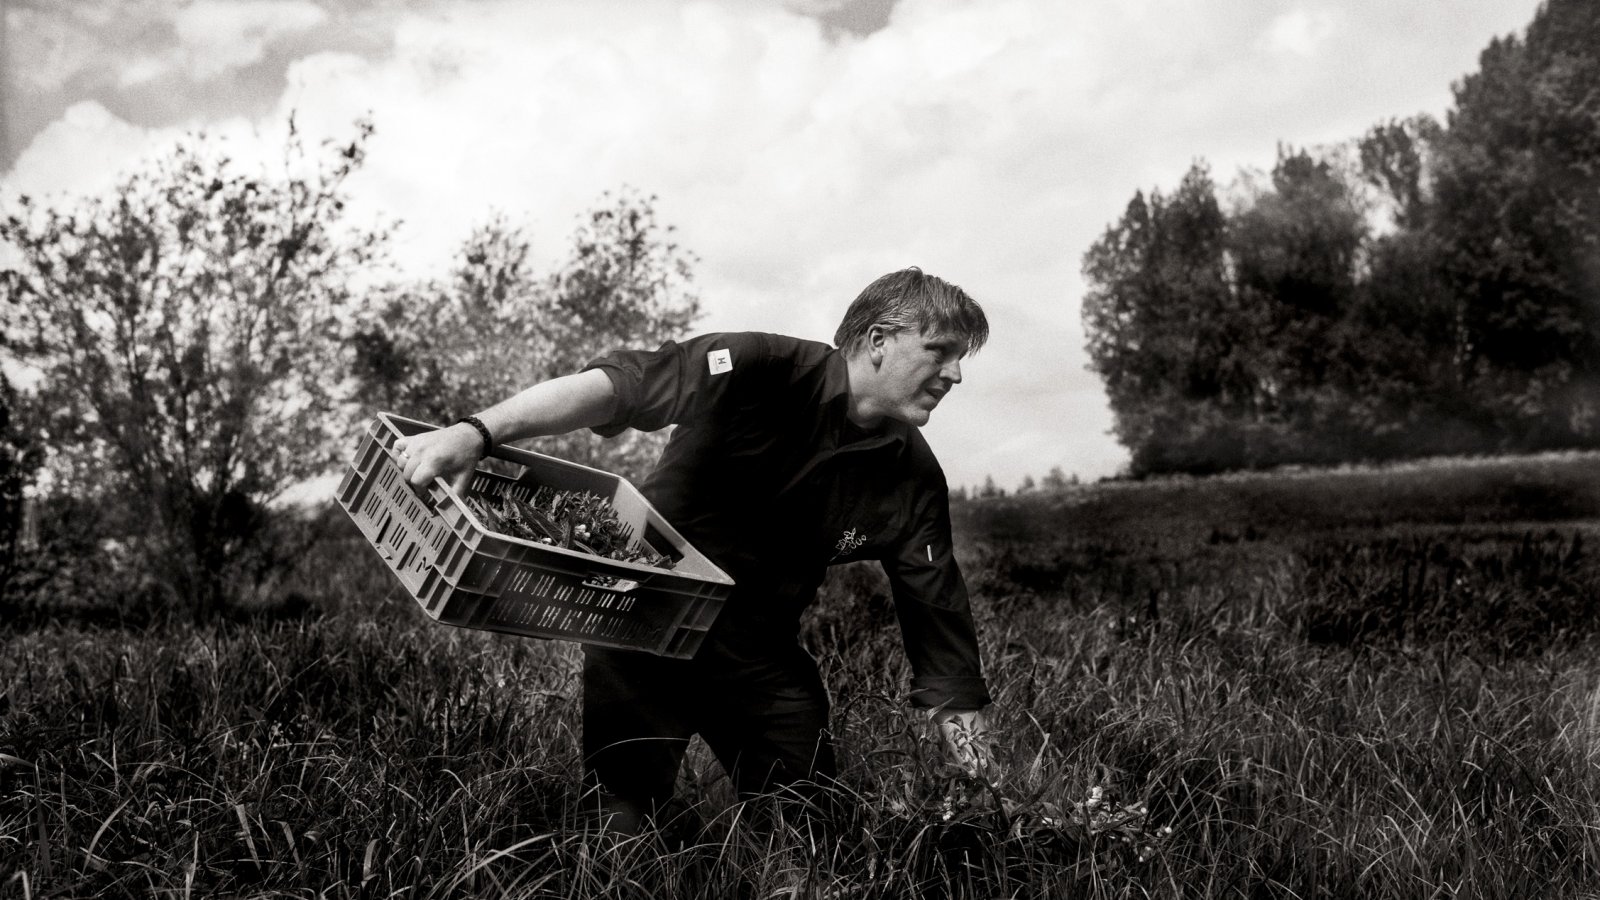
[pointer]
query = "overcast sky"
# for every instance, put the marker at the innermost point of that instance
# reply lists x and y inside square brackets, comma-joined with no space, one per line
[801,148]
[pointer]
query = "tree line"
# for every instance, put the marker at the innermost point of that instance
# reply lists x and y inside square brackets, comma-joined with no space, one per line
[1425,289]
[184,349]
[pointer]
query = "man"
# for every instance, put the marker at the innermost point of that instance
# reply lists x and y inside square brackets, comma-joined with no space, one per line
[789,456]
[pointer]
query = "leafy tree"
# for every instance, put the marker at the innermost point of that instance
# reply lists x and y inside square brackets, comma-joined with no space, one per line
[1518,208]
[18,460]
[1294,250]
[439,351]
[1056,480]
[1300,327]
[1224,339]
[1414,394]
[1166,332]
[1397,158]
[187,331]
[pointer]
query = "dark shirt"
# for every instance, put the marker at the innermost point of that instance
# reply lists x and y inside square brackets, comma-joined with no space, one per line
[767,476]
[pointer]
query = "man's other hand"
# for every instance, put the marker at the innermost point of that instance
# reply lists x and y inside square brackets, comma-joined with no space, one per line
[450,453]
[967,739]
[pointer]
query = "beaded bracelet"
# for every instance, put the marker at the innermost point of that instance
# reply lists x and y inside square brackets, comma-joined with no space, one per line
[483,432]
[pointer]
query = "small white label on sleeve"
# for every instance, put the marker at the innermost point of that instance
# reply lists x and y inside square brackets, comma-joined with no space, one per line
[720,361]
[930,553]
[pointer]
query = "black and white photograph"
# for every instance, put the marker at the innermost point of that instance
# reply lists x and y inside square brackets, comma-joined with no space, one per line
[611,449]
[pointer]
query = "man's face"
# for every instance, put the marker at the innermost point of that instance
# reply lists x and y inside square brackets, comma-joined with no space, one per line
[916,370]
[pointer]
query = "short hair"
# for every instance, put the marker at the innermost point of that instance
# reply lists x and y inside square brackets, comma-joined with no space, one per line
[911,298]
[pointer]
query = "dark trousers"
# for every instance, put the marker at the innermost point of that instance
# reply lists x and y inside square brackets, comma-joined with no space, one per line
[764,716]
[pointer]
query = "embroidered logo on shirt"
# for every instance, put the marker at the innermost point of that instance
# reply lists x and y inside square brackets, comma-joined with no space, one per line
[848,543]
[720,361]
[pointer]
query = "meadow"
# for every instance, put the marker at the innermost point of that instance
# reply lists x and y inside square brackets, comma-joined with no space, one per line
[1343,684]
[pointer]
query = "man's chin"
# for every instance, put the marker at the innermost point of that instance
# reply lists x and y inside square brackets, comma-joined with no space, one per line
[915,416]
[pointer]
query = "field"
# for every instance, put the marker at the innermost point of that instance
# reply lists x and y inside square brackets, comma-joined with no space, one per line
[1364,683]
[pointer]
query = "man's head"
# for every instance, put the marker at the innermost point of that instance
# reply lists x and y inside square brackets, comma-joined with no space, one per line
[903,339]
[909,300]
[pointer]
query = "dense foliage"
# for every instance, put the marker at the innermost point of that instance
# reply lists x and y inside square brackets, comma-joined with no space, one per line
[18,460]
[181,330]
[1428,289]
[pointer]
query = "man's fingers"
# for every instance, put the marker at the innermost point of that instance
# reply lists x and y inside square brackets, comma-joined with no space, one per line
[417,470]
[421,473]
[424,457]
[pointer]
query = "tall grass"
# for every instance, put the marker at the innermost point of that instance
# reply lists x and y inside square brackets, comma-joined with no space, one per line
[1321,691]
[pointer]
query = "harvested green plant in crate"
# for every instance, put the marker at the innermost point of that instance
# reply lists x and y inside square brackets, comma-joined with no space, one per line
[572,520]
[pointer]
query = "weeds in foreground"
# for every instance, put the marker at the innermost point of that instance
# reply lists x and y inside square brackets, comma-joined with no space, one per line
[338,759]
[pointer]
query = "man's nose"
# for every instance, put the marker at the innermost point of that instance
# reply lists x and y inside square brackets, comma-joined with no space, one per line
[951,371]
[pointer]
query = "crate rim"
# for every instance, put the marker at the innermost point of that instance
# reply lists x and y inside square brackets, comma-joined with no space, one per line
[509,454]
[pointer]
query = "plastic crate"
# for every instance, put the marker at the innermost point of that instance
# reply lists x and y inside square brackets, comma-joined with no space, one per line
[463,574]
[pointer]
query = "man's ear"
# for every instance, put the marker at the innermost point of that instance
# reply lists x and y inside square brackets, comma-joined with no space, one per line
[876,337]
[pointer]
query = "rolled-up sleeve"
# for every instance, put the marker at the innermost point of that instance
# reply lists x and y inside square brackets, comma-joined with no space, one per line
[676,382]
[930,600]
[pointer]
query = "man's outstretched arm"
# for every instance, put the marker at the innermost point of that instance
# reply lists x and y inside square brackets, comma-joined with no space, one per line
[557,406]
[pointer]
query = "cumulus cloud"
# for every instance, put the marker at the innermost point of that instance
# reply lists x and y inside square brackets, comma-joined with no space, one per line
[987,143]
[157,63]
[82,153]
[1300,31]
[218,35]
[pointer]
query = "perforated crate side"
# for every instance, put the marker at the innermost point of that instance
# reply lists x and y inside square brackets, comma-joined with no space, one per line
[500,584]
[549,606]
[391,516]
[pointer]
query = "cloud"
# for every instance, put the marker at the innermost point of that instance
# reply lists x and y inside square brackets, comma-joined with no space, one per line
[1302,32]
[218,35]
[818,7]
[159,63]
[990,144]
[82,153]
[857,17]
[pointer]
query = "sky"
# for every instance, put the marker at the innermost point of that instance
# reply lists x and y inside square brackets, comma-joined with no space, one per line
[800,148]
